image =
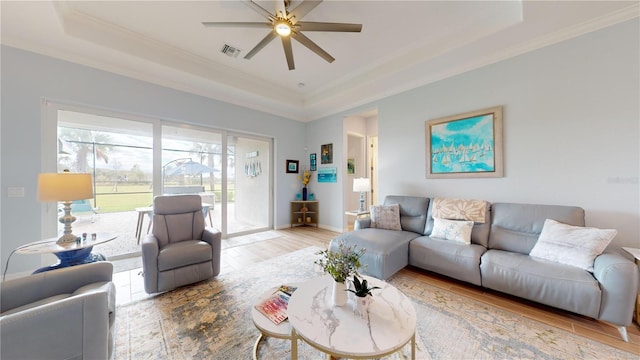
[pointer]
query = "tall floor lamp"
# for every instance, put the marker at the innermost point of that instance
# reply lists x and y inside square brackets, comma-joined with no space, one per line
[65,187]
[361,185]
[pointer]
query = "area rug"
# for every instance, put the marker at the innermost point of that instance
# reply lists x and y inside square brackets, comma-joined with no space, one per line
[212,320]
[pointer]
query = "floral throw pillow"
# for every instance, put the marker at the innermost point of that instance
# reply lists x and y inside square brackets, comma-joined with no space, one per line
[386,217]
[454,230]
[571,245]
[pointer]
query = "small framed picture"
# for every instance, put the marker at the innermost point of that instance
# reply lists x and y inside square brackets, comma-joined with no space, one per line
[351,166]
[326,154]
[312,162]
[292,166]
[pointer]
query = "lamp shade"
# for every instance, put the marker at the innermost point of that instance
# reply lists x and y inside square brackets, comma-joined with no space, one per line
[361,185]
[64,186]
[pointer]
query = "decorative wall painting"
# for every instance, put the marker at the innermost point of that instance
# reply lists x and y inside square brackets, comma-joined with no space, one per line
[327,174]
[326,154]
[465,145]
[312,162]
[292,166]
[351,166]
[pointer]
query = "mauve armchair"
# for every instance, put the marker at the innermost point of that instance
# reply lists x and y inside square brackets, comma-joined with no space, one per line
[180,250]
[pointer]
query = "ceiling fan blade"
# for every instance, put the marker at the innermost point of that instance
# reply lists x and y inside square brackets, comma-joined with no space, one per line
[259,9]
[288,51]
[281,9]
[267,39]
[303,9]
[312,46]
[325,26]
[236,24]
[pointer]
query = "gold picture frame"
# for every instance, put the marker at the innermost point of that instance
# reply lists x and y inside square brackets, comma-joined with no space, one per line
[467,145]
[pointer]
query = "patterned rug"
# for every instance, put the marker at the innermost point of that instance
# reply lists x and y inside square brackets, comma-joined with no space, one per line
[212,320]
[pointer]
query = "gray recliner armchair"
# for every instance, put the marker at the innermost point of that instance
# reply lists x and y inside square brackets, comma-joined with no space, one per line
[179,250]
[66,313]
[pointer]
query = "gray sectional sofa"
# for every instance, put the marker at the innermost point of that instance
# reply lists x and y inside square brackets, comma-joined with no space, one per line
[498,258]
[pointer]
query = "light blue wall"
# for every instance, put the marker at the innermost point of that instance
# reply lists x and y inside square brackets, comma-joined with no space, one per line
[28,78]
[571,131]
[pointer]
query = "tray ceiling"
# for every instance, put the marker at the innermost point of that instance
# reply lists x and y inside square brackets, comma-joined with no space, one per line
[403,44]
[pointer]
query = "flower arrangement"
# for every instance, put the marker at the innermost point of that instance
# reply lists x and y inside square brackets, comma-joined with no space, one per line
[305,178]
[342,263]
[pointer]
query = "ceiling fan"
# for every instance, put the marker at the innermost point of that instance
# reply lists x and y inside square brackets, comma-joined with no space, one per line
[286,24]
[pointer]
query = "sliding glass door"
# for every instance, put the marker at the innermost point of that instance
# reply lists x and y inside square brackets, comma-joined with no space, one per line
[133,159]
[192,164]
[235,189]
[248,189]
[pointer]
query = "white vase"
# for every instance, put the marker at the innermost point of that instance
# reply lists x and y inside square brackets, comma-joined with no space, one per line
[361,305]
[339,294]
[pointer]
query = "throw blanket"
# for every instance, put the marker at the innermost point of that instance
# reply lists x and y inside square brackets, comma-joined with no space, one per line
[460,209]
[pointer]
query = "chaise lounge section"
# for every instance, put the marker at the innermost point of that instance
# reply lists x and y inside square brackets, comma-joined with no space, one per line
[497,256]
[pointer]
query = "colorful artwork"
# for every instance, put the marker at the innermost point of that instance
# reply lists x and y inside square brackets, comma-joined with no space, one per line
[466,145]
[312,162]
[351,166]
[328,174]
[326,154]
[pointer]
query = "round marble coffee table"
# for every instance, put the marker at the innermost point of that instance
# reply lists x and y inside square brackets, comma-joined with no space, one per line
[266,326]
[388,326]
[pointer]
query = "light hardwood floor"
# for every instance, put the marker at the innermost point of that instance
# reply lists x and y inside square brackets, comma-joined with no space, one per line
[130,288]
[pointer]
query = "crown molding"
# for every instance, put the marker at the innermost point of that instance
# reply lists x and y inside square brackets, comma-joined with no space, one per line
[362,95]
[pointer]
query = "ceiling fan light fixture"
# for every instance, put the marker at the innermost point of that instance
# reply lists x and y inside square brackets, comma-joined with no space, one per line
[283,28]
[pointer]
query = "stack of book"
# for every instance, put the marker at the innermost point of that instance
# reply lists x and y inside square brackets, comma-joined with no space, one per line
[274,307]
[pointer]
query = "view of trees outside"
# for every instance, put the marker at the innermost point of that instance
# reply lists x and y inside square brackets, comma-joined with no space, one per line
[122,165]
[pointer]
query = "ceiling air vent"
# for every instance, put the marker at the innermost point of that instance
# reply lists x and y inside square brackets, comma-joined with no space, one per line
[230,50]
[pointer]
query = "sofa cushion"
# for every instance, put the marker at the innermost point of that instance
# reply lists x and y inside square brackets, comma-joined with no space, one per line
[460,209]
[454,230]
[453,259]
[515,227]
[479,232]
[413,211]
[387,251]
[571,245]
[562,286]
[386,217]
[183,253]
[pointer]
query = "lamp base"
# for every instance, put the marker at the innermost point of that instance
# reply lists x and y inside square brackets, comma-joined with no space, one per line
[67,219]
[361,209]
[67,239]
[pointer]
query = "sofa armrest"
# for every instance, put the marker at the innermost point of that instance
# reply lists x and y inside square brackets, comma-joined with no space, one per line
[28,289]
[150,251]
[618,278]
[214,238]
[73,328]
[362,223]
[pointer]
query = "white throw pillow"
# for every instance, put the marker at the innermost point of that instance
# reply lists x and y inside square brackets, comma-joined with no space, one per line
[386,217]
[455,230]
[571,245]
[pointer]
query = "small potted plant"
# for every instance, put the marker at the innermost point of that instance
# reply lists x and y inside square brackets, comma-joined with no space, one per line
[340,265]
[363,295]
[361,288]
